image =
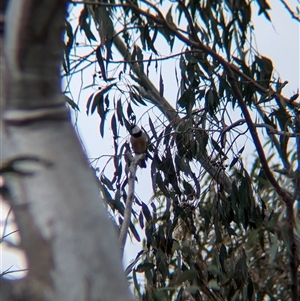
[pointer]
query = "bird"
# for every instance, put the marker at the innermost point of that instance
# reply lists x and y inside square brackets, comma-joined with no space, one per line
[139,143]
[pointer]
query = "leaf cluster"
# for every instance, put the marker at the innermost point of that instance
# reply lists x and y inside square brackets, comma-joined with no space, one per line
[204,237]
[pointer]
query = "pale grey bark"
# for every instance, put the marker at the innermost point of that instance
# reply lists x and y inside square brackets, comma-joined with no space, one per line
[72,249]
[129,201]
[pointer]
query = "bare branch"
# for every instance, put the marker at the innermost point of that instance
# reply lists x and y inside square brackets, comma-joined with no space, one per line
[274,131]
[260,125]
[9,271]
[292,13]
[129,201]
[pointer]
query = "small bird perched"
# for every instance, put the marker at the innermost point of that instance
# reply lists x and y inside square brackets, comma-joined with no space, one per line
[139,143]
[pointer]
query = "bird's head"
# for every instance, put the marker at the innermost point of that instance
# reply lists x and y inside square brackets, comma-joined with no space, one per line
[135,129]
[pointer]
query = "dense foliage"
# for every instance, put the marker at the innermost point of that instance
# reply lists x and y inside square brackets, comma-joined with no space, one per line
[217,227]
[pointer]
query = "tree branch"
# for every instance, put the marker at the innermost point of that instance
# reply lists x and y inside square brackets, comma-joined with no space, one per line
[275,141]
[149,91]
[196,43]
[129,201]
[158,100]
[264,163]
[228,68]
[292,13]
[260,125]
[166,108]
[154,96]
[286,197]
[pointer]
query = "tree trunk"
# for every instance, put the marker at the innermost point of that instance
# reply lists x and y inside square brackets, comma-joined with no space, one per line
[70,245]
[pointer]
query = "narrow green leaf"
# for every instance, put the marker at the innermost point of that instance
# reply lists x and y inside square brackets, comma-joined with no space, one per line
[136,282]
[120,112]
[161,85]
[85,24]
[134,232]
[101,62]
[141,220]
[146,212]
[143,267]
[114,127]
[152,128]
[102,122]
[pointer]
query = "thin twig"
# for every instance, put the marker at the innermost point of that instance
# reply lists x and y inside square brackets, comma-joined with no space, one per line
[275,141]
[292,13]
[7,271]
[260,125]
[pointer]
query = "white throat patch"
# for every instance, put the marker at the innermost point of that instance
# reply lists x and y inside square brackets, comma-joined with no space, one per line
[135,130]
